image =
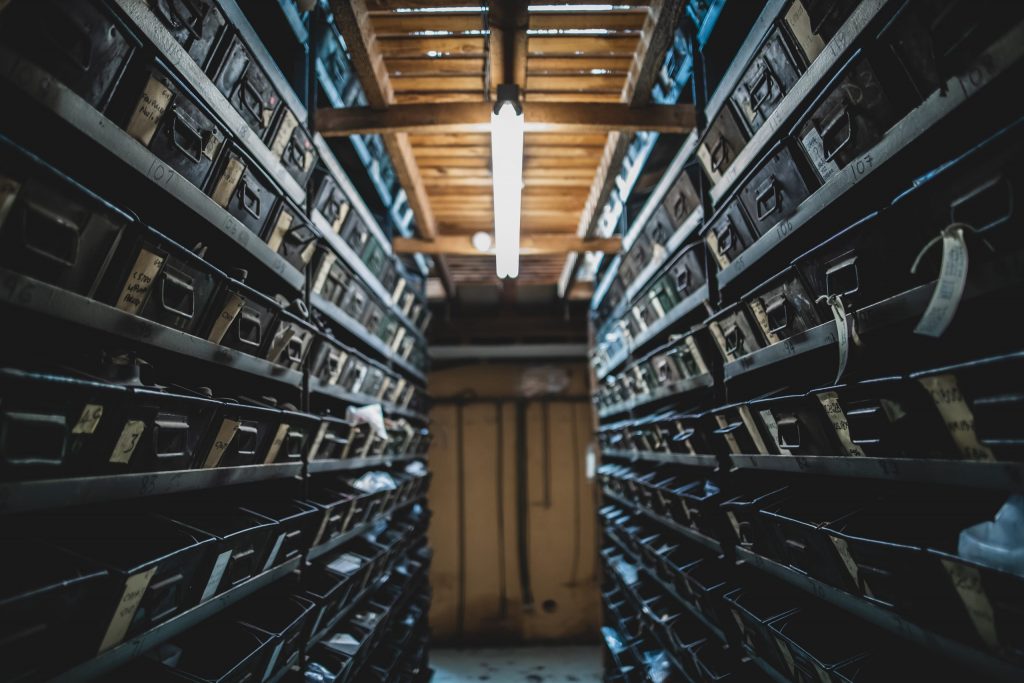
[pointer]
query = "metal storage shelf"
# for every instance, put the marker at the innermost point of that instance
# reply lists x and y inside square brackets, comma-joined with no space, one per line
[683,309]
[987,665]
[53,95]
[27,293]
[318,466]
[667,523]
[674,390]
[142,17]
[996,60]
[698,460]
[354,328]
[38,494]
[120,655]
[805,87]
[340,394]
[342,249]
[328,546]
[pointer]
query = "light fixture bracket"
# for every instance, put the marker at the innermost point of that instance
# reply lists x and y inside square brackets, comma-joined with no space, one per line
[508,93]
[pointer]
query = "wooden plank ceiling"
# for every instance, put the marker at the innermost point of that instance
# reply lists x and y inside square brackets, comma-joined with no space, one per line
[441,51]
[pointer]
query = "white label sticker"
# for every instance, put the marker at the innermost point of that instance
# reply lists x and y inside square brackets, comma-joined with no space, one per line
[274,551]
[325,270]
[800,24]
[134,590]
[281,228]
[967,582]
[773,430]
[216,575]
[398,338]
[89,420]
[225,434]
[949,401]
[228,181]
[149,111]
[275,445]
[761,315]
[126,443]
[830,402]
[140,280]
[232,305]
[284,133]
[949,288]
[343,209]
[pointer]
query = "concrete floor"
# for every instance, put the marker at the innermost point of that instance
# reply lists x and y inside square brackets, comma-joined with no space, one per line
[516,664]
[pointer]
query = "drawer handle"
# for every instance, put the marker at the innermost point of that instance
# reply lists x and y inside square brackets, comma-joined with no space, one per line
[293,349]
[300,236]
[250,97]
[767,82]
[719,154]
[777,311]
[842,124]
[733,340]
[170,436]
[49,235]
[842,277]
[680,209]
[177,295]
[247,438]
[294,154]
[185,137]
[726,237]
[789,432]
[683,279]
[176,19]
[768,198]
[250,198]
[68,39]
[250,329]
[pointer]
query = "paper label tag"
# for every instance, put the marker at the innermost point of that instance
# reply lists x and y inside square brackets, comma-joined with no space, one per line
[232,306]
[281,228]
[712,241]
[126,443]
[730,439]
[815,148]
[149,111]
[89,420]
[773,430]
[949,401]
[134,590]
[225,434]
[325,269]
[323,527]
[273,661]
[399,335]
[842,332]
[967,582]
[843,549]
[755,434]
[228,181]
[949,288]
[757,308]
[691,345]
[284,134]
[216,575]
[716,333]
[307,254]
[275,445]
[274,551]
[335,374]
[786,654]
[830,402]
[343,209]
[140,281]
[279,344]
[399,288]
[317,440]
[735,523]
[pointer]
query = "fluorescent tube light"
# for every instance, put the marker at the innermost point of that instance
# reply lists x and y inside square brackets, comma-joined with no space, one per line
[507,171]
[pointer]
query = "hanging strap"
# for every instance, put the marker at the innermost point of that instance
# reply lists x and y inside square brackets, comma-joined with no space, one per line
[949,289]
[845,330]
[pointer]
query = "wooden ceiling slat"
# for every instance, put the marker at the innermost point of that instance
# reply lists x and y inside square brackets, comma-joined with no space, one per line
[530,150]
[528,162]
[450,139]
[577,64]
[583,82]
[437,97]
[573,97]
[592,46]
[404,23]
[465,46]
[435,66]
[486,182]
[528,173]
[535,190]
[438,83]
[392,5]
[629,20]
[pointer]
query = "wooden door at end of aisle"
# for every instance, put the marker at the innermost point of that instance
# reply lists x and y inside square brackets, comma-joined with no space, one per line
[513,531]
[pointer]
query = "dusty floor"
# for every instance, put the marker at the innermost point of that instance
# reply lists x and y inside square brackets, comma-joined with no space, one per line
[515,664]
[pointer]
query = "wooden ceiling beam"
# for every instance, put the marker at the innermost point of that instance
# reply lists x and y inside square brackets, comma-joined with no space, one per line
[529,245]
[471,117]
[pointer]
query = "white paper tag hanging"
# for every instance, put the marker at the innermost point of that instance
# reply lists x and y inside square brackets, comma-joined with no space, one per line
[835,302]
[949,288]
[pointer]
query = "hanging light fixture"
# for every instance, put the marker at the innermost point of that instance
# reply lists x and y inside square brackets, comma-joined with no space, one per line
[507,126]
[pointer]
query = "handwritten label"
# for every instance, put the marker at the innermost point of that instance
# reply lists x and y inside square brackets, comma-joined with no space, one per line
[228,181]
[324,271]
[140,281]
[284,134]
[843,550]
[698,358]
[126,443]
[712,241]
[89,420]
[773,430]
[134,590]
[281,228]
[275,445]
[216,575]
[800,23]
[950,402]
[755,433]
[317,440]
[967,582]
[815,148]
[232,306]
[761,315]
[716,334]
[227,431]
[274,551]
[830,402]
[149,111]
[949,289]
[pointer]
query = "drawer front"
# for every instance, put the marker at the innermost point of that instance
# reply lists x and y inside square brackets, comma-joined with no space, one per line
[330,201]
[772,193]
[768,79]
[250,328]
[180,295]
[245,195]
[196,24]
[241,79]
[292,237]
[734,334]
[851,119]
[812,23]
[729,235]
[687,273]
[659,228]
[292,144]
[783,309]
[681,199]
[723,142]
